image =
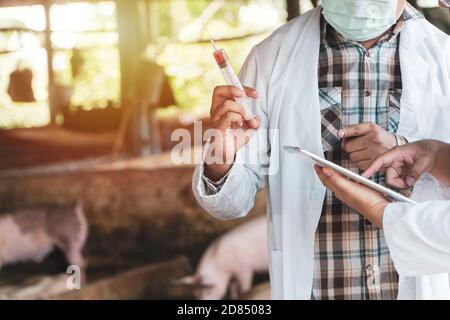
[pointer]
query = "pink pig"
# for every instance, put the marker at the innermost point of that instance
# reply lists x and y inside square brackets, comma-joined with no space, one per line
[230,262]
[31,234]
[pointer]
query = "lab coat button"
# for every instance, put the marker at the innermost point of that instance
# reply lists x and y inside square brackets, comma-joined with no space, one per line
[315,194]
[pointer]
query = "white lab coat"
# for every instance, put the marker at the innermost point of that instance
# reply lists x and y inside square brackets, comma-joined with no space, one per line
[283,69]
[418,237]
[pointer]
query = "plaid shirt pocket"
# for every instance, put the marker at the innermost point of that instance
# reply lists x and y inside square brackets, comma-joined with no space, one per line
[394,109]
[330,108]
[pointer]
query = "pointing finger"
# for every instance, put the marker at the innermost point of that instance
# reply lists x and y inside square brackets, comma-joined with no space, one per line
[227,106]
[384,161]
[223,93]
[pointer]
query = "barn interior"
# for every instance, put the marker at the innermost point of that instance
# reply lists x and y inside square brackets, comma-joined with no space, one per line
[91,93]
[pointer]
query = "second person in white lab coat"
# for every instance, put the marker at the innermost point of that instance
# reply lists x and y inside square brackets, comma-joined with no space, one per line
[418,236]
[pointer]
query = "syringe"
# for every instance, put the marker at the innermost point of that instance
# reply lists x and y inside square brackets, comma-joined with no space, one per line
[224,64]
[228,73]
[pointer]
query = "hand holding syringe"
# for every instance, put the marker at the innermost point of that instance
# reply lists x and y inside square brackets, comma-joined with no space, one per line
[231,118]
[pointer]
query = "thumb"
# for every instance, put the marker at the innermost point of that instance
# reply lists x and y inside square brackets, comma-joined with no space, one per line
[383,161]
[250,92]
[415,172]
[376,166]
[356,130]
[254,123]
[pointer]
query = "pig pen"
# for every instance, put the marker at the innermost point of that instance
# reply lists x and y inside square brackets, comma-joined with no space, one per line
[144,224]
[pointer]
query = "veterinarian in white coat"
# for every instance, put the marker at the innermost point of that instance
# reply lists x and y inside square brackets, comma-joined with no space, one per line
[418,236]
[283,69]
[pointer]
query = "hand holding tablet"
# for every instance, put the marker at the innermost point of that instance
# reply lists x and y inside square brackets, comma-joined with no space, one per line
[349,174]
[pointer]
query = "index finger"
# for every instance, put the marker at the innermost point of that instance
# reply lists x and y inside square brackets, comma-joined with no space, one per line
[223,93]
[383,161]
[356,130]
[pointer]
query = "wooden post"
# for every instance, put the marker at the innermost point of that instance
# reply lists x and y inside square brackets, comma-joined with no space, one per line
[49,50]
[293,8]
[131,46]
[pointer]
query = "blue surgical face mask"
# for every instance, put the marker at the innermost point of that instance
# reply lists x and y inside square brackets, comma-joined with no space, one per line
[360,20]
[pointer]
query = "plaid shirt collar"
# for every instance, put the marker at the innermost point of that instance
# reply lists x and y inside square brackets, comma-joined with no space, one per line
[409,13]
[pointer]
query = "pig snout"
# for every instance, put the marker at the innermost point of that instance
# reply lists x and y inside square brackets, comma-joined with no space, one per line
[202,288]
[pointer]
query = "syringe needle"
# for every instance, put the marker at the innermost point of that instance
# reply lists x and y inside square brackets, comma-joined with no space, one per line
[213,43]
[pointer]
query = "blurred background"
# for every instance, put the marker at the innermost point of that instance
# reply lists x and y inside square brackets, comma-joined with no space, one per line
[90,93]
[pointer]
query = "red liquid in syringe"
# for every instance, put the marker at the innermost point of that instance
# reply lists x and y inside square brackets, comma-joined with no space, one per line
[226,68]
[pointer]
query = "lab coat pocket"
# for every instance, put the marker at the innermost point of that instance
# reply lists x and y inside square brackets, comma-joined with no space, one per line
[331,116]
[276,274]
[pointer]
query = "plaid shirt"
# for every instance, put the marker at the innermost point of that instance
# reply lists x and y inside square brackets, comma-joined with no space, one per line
[355,85]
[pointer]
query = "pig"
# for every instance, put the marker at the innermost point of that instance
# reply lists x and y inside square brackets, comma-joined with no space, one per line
[31,234]
[229,263]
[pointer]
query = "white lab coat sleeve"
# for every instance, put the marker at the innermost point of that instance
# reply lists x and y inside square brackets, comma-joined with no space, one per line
[418,237]
[246,177]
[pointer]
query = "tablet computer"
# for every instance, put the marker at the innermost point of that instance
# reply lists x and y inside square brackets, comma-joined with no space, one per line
[349,174]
